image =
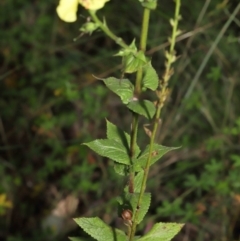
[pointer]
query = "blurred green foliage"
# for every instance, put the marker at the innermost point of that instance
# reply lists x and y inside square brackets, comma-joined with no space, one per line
[50,103]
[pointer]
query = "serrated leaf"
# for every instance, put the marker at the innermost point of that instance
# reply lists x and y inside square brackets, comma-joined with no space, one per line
[131,49]
[137,166]
[117,134]
[146,201]
[141,56]
[111,149]
[150,77]
[99,230]
[133,61]
[162,232]
[121,87]
[157,152]
[130,200]
[138,181]
[121,169]
[143,107]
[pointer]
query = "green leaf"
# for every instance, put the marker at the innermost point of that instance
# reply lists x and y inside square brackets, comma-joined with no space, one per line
[133,61]
[117,134]
[146,201]
[150,77]
[128,58]
[157,152]
[131,49]
[121,87]
[111,149]
[162,232]
[121,169]
[100,230]
[138,181]
[143,107]
[130,200]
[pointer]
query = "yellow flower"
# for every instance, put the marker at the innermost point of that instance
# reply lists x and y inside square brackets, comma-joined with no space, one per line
[93,4]
[67,9]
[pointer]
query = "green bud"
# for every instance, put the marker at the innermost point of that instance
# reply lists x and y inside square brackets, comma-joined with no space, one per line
[89,27]
[150,4]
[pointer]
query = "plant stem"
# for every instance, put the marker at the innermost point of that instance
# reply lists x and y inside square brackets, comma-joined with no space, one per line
[173,37]
[105,29]
[162,95]
[143,44]
[132,151]
[145,26]
[138,86]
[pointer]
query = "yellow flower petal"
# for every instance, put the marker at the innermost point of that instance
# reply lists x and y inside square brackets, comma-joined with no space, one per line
[93,4]
[67,10]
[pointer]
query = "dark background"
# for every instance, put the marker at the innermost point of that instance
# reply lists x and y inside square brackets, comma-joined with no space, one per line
[50,103]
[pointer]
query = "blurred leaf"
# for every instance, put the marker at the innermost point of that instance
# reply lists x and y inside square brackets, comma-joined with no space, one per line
[236,160]
[4,202]
[214,74]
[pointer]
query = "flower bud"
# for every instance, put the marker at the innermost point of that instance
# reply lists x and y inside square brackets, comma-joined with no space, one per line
[126,215]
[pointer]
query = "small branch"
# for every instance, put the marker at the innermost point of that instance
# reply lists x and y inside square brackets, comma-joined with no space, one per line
[106,30]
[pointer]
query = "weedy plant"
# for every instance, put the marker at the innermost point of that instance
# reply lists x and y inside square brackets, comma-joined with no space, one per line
[119,146]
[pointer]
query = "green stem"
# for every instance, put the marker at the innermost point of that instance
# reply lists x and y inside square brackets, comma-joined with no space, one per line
[143,44]
[105,29]
[174,34]
[132,151]
[146,171]
[138,87]
[162,94]
[145,26]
